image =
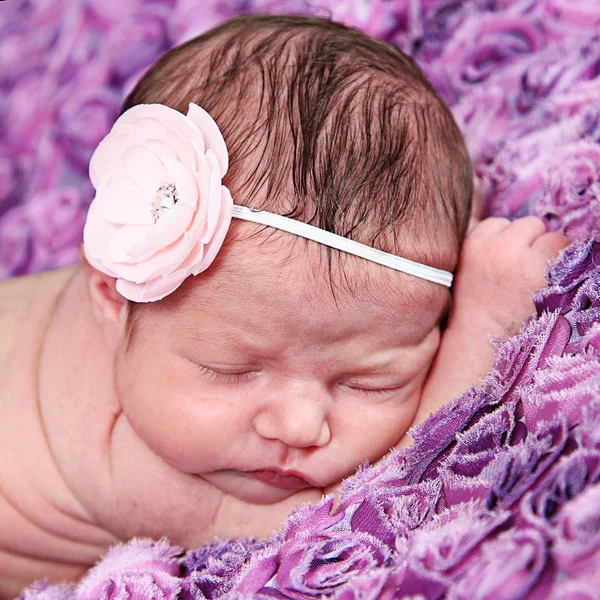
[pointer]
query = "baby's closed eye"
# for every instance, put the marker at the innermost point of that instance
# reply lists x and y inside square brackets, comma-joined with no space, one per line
[374,386]
[232,374]
[227,374]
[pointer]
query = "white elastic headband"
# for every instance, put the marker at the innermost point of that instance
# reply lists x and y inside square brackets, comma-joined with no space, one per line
[344,244]
[161,212]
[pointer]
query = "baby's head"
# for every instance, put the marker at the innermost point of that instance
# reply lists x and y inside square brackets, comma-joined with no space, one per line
[286,363]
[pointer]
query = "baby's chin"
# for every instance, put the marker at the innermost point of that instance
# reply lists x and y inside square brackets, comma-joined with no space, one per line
[263,487]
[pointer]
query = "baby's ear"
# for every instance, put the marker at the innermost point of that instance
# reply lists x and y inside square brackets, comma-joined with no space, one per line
[477,205]
[106,302]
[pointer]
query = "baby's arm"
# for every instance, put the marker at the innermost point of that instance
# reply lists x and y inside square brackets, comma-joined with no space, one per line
[501,264]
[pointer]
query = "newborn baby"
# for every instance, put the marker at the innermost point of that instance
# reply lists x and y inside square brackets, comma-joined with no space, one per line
[201,375]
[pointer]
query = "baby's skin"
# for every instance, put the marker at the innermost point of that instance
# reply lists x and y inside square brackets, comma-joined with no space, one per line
[254,391]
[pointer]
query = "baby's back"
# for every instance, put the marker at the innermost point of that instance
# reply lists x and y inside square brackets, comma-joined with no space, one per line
[29,517]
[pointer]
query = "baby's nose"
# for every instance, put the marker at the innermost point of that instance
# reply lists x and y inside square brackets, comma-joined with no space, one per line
[296,417]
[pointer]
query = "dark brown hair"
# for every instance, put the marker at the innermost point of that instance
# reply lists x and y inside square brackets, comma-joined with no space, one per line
[329,126]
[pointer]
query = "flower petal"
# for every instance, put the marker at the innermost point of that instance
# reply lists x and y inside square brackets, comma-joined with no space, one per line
[154,130]
[168,228]
[128,236]
[213,138]
[123,203]
[222,228]
[143,166]
[214,198]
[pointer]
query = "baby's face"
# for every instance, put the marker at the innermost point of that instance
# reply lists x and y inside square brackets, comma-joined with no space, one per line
[262,382]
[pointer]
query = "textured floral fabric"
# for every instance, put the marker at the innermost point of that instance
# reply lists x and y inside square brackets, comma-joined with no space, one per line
[500,495]
[520,75]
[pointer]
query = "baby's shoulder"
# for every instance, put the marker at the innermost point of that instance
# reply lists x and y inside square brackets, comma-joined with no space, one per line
[25,304]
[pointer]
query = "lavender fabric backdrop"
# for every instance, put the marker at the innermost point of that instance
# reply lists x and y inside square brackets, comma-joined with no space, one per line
[500,495]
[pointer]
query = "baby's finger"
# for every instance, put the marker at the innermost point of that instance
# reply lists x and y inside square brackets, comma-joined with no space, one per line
[527,230]
[490,226]
[550,244]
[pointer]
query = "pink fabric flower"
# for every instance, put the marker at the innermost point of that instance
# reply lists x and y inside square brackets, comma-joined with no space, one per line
[160,212]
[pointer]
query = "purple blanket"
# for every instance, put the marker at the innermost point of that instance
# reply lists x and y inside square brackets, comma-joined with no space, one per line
[500,495]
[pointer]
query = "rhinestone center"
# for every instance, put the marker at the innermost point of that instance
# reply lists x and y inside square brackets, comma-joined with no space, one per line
[165,199]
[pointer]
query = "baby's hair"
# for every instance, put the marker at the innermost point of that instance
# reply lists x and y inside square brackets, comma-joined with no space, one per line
[329,126]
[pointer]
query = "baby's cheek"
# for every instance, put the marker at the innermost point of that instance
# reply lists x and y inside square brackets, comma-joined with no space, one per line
[378,428]
[164,411]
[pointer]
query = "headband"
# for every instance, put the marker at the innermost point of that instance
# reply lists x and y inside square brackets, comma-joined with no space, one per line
[161,213]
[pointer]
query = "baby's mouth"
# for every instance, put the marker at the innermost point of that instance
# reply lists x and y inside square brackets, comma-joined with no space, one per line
[286,481]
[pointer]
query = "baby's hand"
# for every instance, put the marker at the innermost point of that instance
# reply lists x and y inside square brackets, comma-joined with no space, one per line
[501,264]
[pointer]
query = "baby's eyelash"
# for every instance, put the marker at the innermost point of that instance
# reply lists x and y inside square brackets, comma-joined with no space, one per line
[219,376]
[377,391]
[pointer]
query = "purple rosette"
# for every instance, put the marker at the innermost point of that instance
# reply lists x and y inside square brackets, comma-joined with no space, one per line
[25,114]
[9,181]
[508,568]
[572,280]
[212,570]
[375,17]
[576,543]
[369,585]
[315,556]
[572,590]
[571,199]
[15,243]
[565,388]
[444,544]
[568,478]
[134,43]
[254,578]
[405,582]
[579,16]
[85,118]
[109,12]
[42,590]
[55,218]
[494,445]
[390,511]
[75,66]
[485,43]
[140,570]
[439,22]
[22,54]
[521,452]
[314,565]
[44,15]
[485,115]
[193,18]
[313,519]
